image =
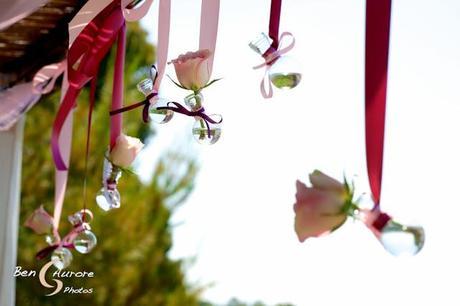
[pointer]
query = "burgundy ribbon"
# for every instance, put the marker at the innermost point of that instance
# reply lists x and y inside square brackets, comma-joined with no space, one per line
[84,56]
[179,108]
[378,15]
[66,242]
[145,103]
[274,26]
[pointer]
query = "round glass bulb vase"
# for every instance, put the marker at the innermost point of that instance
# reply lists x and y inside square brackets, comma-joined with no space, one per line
[400,240]
[284,71]
[158,116]
[61,258]
[85,241]
[200,130]
[108,197]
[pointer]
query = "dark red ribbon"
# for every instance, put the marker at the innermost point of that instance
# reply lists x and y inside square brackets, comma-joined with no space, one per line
[274,26]
[179,108]
[378,14]
[43,253]
[145,103]
[83,59]
[273,31]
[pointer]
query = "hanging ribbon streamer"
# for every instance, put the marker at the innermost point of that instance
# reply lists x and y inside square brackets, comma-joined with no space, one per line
[156,72]
[16,101]
[209,24]
[118,86]
[378,15]
[91,33]
[274,25]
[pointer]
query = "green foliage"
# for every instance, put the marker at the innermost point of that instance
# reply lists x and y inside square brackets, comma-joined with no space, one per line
[130,262]
[236,302]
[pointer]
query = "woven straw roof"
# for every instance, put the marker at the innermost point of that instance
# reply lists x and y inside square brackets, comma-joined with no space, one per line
[35,41]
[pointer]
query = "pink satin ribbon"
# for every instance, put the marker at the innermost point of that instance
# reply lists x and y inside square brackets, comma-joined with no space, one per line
[13,11]
[209,25]
[270,56]
[15,101]
[116,121]
[164,24]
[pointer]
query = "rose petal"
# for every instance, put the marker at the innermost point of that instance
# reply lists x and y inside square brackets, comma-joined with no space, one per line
[317,211]
[322,181]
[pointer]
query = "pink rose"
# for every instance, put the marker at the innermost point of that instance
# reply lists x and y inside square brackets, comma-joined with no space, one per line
[319,209]
[40,221]
[125,150]
[192,69]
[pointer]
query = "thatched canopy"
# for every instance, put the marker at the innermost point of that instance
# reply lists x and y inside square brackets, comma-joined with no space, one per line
[35,41]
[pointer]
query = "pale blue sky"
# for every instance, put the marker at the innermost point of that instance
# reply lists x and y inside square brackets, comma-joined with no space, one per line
[239,220]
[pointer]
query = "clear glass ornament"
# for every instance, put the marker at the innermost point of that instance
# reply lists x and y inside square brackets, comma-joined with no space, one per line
[108,199]
[399,239]
[108,196]
[261,43]
[76,218]
[160,115]
[82,216]
[284,72]
[194,101]
[61,258]
[85,241]
[200,130]
[145,86]
[50,239]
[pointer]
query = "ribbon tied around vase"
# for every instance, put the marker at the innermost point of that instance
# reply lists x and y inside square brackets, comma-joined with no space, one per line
[206,128]
[396,238]
[280,70]
[146,86]
[80,238]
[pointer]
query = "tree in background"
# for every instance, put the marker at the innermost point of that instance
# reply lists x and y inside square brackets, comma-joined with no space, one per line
[130,262]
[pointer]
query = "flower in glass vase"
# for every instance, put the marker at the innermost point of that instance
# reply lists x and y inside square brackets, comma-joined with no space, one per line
[192,69]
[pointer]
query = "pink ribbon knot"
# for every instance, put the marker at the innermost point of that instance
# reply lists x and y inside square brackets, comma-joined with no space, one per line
[271,56]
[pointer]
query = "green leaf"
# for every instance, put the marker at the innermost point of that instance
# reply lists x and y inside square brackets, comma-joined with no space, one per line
[177,84]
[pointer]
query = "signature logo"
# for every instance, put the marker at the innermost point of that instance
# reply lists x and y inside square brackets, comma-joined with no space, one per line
[56,284]
[42,278]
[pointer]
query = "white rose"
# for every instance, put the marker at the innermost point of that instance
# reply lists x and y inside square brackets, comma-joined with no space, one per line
[125,150]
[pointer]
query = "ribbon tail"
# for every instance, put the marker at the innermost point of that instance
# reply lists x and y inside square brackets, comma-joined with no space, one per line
[145,113]
[266,94]
[64,110]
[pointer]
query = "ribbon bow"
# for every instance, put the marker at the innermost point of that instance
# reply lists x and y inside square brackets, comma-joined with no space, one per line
[145,102]
[179,108]
[66,242]
[80,224]
[271,56]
